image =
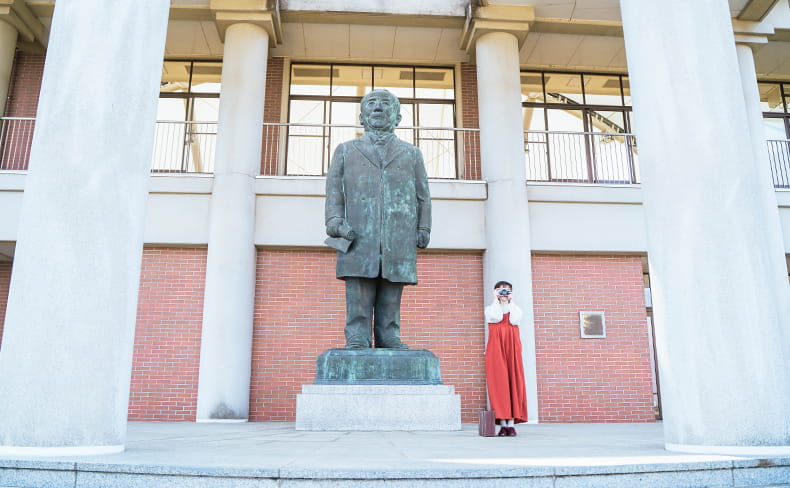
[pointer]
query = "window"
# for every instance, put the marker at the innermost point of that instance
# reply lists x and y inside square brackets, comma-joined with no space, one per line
[775,101]
[577,127]
[187,116]
[323,111]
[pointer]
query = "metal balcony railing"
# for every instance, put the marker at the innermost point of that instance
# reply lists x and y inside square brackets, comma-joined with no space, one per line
[16,138]
[184,147]
[310,146]
[779,158]
[305,149]
[581,157]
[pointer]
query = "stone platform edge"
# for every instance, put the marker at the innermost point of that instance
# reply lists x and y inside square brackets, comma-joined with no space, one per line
[90,474]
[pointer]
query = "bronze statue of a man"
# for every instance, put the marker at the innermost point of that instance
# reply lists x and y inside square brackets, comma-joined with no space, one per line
[378,212]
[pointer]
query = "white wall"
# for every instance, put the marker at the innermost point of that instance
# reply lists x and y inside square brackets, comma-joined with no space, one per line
[571,218]
[410,7]
[783,199]
[290,212]
[12,186]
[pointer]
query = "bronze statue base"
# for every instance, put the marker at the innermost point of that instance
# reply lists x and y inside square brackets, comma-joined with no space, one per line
[377,367]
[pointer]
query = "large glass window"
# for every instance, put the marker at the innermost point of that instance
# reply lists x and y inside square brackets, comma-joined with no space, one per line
[187,116]
[323,111]
[577,127]
[775,101]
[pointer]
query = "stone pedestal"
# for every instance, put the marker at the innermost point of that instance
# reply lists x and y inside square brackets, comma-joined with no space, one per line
[378,389]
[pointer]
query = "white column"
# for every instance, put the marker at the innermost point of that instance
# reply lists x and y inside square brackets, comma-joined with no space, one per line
[8,38]
[508,253]
[720,291]
[226,347]
[754,114]
[65,364]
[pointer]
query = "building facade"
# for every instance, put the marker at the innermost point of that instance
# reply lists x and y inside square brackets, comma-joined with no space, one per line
[625,166]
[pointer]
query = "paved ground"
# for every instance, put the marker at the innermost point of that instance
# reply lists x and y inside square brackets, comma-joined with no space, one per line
[549,455]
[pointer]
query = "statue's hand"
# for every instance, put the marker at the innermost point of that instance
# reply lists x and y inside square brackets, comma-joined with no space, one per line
[423,238]
[333,226]
[346,231]
[338,227]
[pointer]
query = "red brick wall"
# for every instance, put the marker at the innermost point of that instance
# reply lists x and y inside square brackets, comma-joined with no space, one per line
[25,85]
[579,380]
[591,380]
[442,314]
[5,282]
[23,92]
[470,120]
[273,105]
[167,337]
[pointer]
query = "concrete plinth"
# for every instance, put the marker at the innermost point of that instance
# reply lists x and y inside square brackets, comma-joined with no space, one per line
[378,389]
[378,407]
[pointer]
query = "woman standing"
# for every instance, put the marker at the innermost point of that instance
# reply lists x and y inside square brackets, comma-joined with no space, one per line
[504,368]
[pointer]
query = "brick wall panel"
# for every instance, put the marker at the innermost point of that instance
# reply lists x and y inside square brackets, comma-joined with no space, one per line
[5,283]
[272,142]
[167,336]
[591,380]
[23,93]
[470,119]
[300,312]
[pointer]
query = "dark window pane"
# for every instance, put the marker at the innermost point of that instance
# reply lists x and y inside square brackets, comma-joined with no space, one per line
[602,90]
[310,79]
[206,77]
[771,97]
[398,80]
[532,87]
[434,83]
[351,81]
[563,88]
[175,77]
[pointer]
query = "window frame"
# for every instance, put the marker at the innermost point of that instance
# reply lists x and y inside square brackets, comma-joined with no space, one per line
[589,112]
[329,99]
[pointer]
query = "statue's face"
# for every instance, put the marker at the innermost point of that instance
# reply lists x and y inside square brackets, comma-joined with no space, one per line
[380,111]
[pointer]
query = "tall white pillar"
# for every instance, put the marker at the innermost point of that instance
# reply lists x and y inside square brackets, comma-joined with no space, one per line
[65,363]
[226,347]
[508,254]
[754,115]
[8,38]
[720,292]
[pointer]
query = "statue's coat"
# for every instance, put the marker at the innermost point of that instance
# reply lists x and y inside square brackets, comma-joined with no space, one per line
[384,200]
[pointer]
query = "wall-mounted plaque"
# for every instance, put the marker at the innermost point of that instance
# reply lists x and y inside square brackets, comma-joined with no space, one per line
[592,325]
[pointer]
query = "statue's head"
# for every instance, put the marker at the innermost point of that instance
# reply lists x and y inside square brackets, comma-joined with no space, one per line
[380,111]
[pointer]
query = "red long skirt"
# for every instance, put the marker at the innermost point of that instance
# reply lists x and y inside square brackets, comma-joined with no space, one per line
[505,371]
